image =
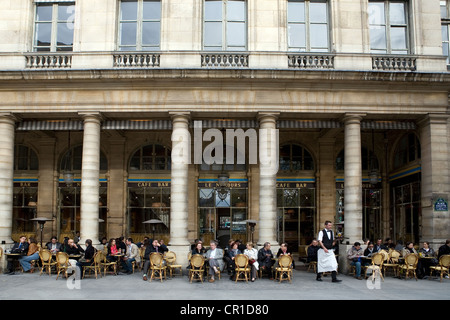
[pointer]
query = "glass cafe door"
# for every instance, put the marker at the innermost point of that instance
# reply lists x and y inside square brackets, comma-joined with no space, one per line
[222,218]
[296,215]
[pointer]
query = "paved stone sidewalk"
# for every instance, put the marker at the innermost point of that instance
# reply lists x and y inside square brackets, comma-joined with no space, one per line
[303,287]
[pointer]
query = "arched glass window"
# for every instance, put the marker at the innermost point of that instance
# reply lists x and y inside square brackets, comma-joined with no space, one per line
[408,150]
[72,159]
[25,158]
[295,158]
[151,157]
[366,157]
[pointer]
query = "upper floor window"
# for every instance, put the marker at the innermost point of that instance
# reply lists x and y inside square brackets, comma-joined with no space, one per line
[151,157]
[368,160]
[54,25]
[295,158]
[72,160]
[408,150]
[225,25]
[139,25]
[388,23]
[445,25]
[308,26]
[25,158]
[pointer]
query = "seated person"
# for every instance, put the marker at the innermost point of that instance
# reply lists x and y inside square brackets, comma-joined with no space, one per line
[378,246]
[285,250]
[199,248]
[89,253]
[354,256]
[252,255]
[265,259]
[427,252]
[72,248]
[112,250]
[131,255]
[32,254]
[444,249]
[20,248]
[312,251]
[153,247]
[54,246]
[370,250]
[214,257]
[231,255]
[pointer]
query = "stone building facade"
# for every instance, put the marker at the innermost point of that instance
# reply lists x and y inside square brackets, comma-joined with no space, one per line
[93,92]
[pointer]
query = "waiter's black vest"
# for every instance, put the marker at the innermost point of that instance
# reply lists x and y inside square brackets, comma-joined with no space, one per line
[328,243]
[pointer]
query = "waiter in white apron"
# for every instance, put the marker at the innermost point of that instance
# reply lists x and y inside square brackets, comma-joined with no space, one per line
[326,260]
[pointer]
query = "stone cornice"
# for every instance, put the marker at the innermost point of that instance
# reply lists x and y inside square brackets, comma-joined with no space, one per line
[111,76]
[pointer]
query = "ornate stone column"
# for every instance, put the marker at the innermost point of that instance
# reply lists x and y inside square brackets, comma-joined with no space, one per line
[268,168]
[353,178]
[181,158]
[7,128]
[90,170]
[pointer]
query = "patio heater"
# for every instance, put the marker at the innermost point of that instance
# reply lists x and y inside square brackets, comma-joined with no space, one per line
[41,221]
[153,222]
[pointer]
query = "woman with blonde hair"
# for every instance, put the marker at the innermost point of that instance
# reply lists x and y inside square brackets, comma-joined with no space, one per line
[252,255]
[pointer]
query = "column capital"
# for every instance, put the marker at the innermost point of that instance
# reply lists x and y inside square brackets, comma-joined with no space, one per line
[91,115]
[178,115]
[267,116]
[8,116]
[352,117]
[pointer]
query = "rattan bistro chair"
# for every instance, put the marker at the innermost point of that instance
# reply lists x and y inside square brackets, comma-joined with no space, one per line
[171,258]
[62,263]
[47,261]
[197,269]
[443,267]
[242,267]
[157,266]
[410,265]
[284,268]
[392,262]
[105,264]
[95,264]
[376,266]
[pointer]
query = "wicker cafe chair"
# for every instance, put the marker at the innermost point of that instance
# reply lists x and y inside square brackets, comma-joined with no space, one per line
[95,265]
[46,261]
[141,254]
[242,268]
[443,267]
[197,262]
[171,258]
[392,262]
[410,265]
[284,268]
[105,264]
[157,266]
[376,266]
[62,263]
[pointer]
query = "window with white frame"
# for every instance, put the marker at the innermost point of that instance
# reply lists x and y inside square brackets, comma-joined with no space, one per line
[225,25]
[445,24]
[388,24]
[140,25]
[307,23]
[54,25]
